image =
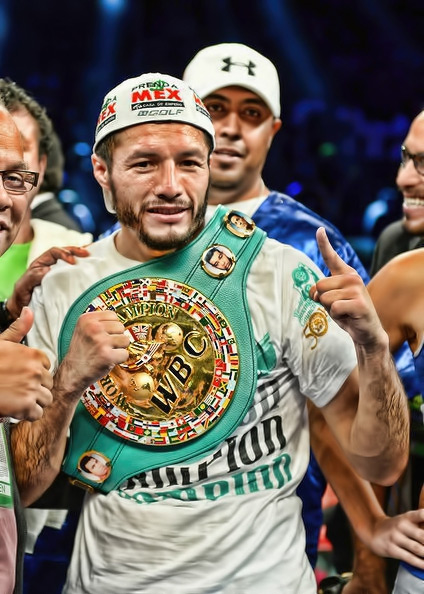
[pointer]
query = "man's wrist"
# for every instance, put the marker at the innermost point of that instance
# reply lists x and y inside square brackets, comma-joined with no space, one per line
[379,346]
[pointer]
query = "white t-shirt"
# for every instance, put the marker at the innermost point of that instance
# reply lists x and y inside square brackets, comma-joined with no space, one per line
[229,523]
[248,207]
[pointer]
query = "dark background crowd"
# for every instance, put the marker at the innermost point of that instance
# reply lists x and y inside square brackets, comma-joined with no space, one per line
[351,76]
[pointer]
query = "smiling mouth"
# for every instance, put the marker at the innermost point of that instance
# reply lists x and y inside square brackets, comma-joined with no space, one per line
[413,202]
[166,210]
[226,152]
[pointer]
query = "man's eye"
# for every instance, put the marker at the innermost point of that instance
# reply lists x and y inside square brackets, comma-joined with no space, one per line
[252,113]
[214,107]
[14,179]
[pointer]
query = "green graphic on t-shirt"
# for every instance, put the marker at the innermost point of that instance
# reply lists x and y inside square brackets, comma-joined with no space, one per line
[303,278]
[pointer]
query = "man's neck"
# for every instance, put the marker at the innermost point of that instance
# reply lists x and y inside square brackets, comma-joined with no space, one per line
[219,195]
[129,246]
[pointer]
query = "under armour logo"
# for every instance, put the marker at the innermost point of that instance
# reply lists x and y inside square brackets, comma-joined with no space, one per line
[228,63]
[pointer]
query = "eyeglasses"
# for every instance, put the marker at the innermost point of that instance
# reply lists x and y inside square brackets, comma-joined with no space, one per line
[417,159]
[16,181]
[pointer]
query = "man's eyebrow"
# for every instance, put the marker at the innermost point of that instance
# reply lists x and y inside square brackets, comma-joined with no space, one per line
[248,100]
[256,101]
[216,96]
[142,153]
[18,165]
[193,152]
[151,154]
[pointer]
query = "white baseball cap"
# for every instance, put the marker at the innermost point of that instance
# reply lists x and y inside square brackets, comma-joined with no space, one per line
[228,64]
[151,97]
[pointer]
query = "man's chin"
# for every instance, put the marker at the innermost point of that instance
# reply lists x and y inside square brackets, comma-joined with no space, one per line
[414,226]
[172,241]
[5,242]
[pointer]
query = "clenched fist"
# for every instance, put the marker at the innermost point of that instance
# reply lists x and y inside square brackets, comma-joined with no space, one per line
[25,380]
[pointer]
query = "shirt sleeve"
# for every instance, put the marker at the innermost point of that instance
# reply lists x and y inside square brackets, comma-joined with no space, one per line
[320,354]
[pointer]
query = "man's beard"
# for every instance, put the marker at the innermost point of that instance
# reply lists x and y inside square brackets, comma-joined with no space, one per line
[171,240]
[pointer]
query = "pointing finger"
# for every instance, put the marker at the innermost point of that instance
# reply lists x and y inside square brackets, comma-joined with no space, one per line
[331,258]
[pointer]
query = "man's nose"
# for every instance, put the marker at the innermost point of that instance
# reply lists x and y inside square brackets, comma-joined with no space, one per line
[230,125]
[168,185]
[6,200]
[408,176]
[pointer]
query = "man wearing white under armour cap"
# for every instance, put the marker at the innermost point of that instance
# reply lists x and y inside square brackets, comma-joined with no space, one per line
[241,90]
[240,87]
[189,380]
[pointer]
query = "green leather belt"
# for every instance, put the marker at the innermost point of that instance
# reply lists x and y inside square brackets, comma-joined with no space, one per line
[192,371]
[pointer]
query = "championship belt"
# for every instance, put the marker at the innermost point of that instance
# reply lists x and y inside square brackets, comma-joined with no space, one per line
[191,374]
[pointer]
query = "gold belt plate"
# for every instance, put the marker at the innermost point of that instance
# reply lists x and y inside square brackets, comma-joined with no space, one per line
[182,369]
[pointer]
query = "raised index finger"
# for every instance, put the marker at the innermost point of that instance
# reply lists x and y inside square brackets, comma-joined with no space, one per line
[331,258]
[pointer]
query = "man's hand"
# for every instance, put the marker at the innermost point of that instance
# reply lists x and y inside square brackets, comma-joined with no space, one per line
[25,380]
[33,276]
[98,344]
[344,296]
[401,537]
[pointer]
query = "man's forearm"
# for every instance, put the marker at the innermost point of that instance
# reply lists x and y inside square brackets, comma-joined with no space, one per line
[380,430]
[356,495]
[38,448]
[98,344]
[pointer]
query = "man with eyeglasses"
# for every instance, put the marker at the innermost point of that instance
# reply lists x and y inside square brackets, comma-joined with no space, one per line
[25,380]
[35,235]
[16,183]
[408,233]
[20,183]
[399,237]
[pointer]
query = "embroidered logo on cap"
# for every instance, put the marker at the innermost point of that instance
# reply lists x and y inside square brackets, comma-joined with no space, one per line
[158,94]
[228,63]
[107,113]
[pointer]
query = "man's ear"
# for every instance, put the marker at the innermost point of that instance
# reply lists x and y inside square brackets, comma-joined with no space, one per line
[42,169]
[100,171]
[276,125]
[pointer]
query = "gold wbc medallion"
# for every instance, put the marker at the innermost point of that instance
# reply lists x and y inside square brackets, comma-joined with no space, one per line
[182,368]
[239,223]
[218,260]
[94,466]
